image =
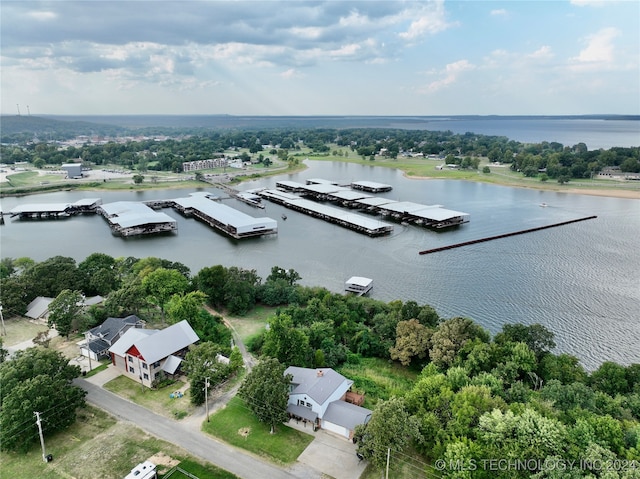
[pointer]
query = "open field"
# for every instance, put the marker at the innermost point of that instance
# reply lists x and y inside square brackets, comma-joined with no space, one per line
[253,323]
[21,329]
[99,447]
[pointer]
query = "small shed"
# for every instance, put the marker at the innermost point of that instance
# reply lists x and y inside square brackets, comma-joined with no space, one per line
[358,285]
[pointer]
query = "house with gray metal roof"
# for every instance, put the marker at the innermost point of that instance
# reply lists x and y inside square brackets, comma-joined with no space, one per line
[145,355]
[319,396]
[99,339]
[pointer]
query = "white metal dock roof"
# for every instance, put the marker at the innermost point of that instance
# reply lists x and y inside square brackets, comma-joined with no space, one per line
[324,188]
[243,223]
[350,195]
[40,208]
[371,184]
[128,214]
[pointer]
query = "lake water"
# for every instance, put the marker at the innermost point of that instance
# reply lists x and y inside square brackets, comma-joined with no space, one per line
[582,281]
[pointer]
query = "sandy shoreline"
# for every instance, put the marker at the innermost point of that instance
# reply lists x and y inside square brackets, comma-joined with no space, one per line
[608,192]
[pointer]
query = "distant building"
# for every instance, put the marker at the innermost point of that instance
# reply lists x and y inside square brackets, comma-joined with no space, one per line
[74,170]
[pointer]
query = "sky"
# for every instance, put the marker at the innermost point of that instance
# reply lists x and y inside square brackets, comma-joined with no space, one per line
[305,57]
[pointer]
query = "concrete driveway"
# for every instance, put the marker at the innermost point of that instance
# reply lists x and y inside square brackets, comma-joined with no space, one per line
[333,455]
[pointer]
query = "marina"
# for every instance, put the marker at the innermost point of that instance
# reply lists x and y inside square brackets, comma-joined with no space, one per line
[406,212]
[353,221]
[134,218]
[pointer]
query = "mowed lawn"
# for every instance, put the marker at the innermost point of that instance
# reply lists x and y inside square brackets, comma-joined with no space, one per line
[237,425]
[156,400]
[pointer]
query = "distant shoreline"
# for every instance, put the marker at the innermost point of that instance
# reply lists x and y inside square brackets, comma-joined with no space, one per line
[607,192]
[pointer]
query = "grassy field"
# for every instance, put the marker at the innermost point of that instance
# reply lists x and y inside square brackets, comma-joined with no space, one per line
[237,425]
[99,447]
[253,323]
[156,400]
[378,379]
[21,329]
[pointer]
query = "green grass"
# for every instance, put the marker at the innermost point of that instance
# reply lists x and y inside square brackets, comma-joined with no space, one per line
[283,447]
[379,379]
[156,400]
[200,471]
[96,370]
[98,447]
[252,323]
[21,329]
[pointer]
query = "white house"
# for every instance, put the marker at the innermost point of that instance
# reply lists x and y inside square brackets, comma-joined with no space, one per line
[145,354]
[320,396]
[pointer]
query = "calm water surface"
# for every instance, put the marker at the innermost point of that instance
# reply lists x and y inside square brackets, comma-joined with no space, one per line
[582,280]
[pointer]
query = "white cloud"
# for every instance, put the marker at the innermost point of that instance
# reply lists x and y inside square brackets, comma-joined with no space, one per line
[291,73]
[42,15]
[431,19]
[544,52]
[450,74]
[498,12]
[599,52]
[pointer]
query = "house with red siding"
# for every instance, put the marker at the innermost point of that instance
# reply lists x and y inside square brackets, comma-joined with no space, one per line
[146,355]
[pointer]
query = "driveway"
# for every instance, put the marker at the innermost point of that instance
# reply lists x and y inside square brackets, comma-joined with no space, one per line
[335,456]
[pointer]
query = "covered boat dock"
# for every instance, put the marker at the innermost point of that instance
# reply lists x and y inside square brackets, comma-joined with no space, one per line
[224,218]
[132,218]
[346,219]
[55,210]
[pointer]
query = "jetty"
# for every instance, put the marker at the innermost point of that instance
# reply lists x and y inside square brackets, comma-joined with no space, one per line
[505,235]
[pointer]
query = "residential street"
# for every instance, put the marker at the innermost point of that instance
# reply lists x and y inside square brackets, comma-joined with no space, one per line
[197,443]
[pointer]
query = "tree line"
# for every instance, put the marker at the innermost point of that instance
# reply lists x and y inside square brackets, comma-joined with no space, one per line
[474,396]
[544,160]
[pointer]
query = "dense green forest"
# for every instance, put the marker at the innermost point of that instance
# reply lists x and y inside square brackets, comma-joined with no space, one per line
[546,159]
[461,399]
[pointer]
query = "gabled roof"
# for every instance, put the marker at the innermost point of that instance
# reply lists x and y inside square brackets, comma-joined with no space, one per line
[38,307]
[112,327]
[154,345]
[346,414]
[319,384]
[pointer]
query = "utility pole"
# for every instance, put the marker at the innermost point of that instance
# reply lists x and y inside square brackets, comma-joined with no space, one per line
[39,423]
[86,337]
[388,456]
[4,330]
[140,373]
[206,398]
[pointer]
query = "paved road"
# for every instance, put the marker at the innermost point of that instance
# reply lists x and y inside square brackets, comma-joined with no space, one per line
[197,443]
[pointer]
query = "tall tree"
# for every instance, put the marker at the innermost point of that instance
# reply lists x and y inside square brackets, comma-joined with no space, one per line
[201,363]
[412,340]
[286,343]
[266,392]
[187,306]
[163,283]
[36,379]
[390,428]
[64,311]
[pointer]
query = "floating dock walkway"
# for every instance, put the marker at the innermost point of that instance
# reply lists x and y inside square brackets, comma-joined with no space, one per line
[505,235]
